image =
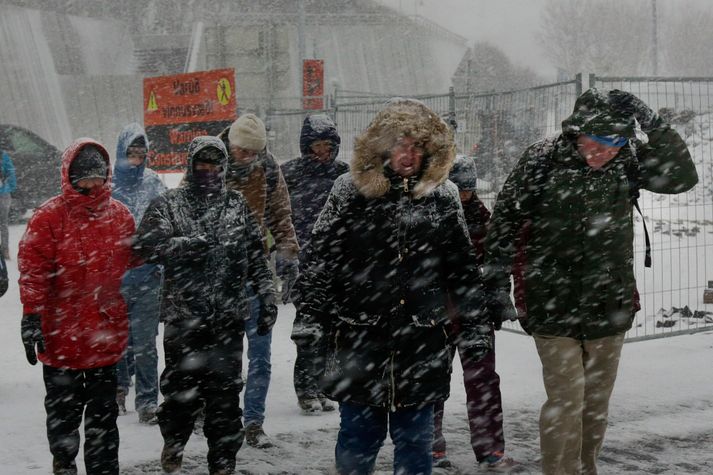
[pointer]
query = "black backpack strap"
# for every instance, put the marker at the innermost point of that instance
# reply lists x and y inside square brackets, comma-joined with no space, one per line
[647,259]
[633,179]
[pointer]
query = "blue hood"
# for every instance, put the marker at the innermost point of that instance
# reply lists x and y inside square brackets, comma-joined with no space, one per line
[124,174]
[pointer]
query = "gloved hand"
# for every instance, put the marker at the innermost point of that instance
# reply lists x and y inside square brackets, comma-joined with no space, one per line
[628,104]
[475,341]
[31,332]
[287,270]
[267,315]
[500,308]
[191,247]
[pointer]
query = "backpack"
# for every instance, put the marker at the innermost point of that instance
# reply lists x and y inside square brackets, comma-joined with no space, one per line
[542,169]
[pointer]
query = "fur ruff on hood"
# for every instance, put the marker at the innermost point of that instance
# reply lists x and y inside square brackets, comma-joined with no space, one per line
[402,117]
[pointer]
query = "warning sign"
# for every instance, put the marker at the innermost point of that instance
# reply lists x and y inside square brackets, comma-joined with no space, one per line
[224,91]
[183,106]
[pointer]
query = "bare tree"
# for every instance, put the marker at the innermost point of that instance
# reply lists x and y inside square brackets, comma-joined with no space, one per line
[687,37]
[609,37]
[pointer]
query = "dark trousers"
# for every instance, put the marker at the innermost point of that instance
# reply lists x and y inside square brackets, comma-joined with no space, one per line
[309,364]
[485,408]
[202,370]
[92,393]
[362,432]
[309,368]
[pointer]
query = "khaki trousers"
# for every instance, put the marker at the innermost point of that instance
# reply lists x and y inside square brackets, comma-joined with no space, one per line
[579,377]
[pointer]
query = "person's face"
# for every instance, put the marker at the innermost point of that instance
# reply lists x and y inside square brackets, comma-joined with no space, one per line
[136,155]
[596,154]
[242,156]
[90,183]
[207,167]
[465,196]
[322,150]
[406,157]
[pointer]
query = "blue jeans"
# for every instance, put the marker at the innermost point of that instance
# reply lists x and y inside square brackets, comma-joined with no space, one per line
[142,300]
[259,366]
[362,432]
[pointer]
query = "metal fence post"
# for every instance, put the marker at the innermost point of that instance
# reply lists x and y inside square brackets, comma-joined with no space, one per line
[592,80]
[578,84]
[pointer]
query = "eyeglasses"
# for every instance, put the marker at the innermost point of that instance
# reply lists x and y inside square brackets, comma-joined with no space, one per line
[609,140]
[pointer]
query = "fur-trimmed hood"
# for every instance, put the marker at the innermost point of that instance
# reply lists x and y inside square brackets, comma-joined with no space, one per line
[402,117]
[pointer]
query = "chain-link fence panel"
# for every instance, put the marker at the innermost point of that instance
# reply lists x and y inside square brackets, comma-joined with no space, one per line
[677,292]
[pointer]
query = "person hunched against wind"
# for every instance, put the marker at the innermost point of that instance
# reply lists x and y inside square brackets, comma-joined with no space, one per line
[211,248]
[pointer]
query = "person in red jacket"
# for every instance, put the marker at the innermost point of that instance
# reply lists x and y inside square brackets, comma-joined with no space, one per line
[72,256]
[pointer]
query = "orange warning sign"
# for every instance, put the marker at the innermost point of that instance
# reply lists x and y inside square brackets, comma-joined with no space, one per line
[205,96]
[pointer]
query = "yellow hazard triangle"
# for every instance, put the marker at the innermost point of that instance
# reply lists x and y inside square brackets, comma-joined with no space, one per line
[152,103]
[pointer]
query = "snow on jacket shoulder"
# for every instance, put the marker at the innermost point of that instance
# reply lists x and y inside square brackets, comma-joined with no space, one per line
[71,259]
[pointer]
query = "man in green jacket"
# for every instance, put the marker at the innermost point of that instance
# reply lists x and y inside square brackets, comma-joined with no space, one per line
[562,226]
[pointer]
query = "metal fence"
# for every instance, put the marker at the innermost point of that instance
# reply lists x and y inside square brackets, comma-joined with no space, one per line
[680,226]
[496,127]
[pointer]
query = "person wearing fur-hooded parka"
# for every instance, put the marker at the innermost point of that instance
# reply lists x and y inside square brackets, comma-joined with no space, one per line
[388,251]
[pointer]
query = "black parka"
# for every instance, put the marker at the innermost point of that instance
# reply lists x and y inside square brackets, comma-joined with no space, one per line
[386,256]
[208,291]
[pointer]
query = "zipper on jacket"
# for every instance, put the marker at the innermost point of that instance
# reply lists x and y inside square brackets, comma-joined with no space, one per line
[406,185]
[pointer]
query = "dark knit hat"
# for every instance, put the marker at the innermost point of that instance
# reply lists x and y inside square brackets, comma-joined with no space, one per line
[464,174]
[139,141]
[89,163]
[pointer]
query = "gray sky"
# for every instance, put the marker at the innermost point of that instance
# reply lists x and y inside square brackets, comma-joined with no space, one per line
[510,24]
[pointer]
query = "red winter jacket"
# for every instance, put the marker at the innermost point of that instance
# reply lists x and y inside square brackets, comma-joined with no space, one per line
[72,257]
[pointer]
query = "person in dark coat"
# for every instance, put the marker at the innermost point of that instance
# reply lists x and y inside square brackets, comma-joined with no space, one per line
[388,251]
[562,227]
[253,171]
[309,180]
[482,383]
[210,246]
[136,186]
[75,250]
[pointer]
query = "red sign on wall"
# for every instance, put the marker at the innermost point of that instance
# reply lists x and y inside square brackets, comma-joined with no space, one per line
[180,107]
[313,84]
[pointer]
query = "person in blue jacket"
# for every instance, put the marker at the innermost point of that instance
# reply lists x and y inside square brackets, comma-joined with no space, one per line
[8,184]
[136,186]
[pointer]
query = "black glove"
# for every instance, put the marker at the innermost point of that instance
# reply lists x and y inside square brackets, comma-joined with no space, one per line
[501,308]
[628,104]
[475,341]
[267,316]
[191,247]
[31,332]
[287,270]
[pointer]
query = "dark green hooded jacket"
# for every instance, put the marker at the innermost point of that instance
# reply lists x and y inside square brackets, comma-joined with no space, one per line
[565,231]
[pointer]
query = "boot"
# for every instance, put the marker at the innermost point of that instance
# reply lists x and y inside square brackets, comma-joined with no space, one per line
[148,416]
[171,459]
[63,468]
[310,406]
[121,400]
[256,437]
[327,405]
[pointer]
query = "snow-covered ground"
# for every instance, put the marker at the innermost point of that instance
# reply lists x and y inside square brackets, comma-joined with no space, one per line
[661,418]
